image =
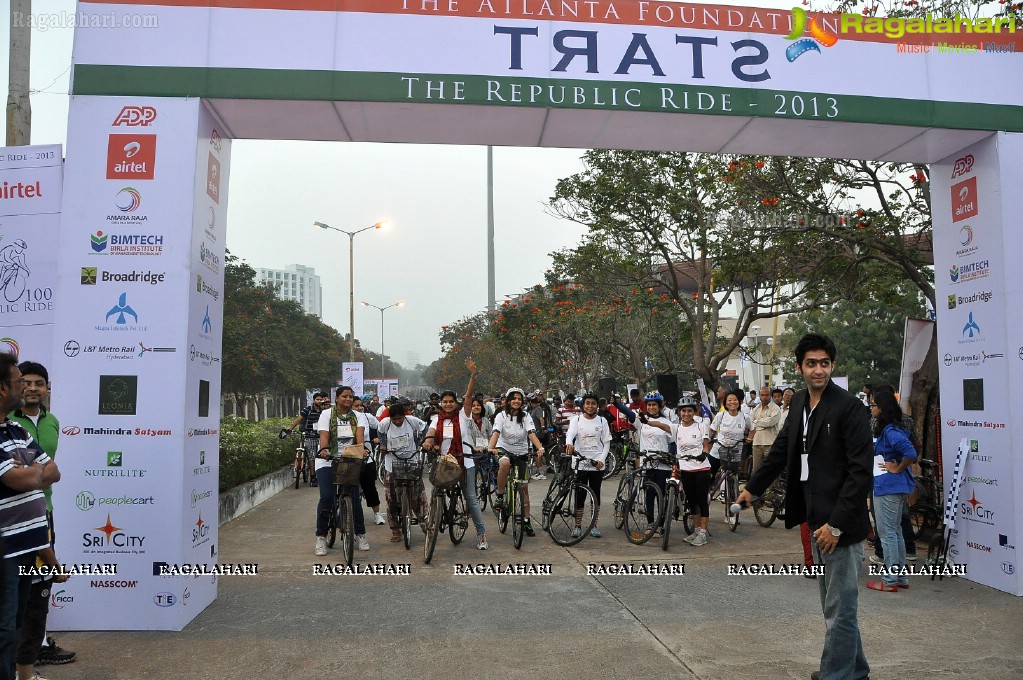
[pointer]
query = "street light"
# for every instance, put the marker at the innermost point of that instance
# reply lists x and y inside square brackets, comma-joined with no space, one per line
[351,274]
[399,303]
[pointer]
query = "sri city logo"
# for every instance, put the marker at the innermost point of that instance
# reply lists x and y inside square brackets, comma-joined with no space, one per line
[804,45]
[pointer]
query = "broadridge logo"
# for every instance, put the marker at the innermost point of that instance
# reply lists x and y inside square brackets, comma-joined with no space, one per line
[202,287]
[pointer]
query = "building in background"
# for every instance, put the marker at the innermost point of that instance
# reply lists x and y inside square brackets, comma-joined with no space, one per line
[296,282]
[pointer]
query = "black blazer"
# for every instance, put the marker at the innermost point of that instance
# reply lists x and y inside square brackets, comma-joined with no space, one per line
[841,457]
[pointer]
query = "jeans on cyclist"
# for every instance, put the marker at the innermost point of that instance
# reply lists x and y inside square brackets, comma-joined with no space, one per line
[325,477]
[469,491]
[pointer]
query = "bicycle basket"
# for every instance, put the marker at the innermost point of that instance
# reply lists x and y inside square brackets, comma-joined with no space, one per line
[347,471]
[407,468]
[730,454]
[446,471]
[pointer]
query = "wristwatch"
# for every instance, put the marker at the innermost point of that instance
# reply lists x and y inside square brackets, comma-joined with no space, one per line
[835,531]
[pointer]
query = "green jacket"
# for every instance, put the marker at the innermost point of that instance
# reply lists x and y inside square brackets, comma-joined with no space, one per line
[46,433]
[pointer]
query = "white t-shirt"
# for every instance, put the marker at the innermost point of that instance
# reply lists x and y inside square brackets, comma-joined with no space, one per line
[466,430]
[654,439]
[513,436]
[591,438]
[400,439]
[689,442]
[730,430]
[345,434]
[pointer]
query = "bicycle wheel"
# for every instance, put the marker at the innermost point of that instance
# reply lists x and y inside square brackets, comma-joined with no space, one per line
[612,462]
[346,522]
[505,513]
[683,512]
[381,472]
[764,509]
[332,526]
[458,517]
[518,520]
[548,502]
[621,500]
[298,474]
[433,519]
[638,527]
[406,516]
[923,518]
[733,520]
[564,529]
[670,510]
[483,487]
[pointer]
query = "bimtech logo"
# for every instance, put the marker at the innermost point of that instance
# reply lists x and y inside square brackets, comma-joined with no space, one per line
[128,200]
[804,45]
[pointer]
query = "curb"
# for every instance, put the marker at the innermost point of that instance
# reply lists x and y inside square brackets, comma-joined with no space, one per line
[238,500]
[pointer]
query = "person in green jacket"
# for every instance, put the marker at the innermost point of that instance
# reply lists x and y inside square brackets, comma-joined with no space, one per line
[35,646]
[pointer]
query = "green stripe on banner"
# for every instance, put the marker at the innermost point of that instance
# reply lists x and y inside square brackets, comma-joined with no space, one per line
[234,83]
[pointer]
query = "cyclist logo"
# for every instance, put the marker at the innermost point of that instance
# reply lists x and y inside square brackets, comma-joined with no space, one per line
[803,45]
[120,309]
[14,272]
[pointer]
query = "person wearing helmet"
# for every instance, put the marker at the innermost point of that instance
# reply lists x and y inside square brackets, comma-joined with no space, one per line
[513,430]
[655,438]
[454,431]
[693,443]
[589,436]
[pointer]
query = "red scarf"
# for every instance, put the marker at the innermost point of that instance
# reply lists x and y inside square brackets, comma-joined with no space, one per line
[456,432]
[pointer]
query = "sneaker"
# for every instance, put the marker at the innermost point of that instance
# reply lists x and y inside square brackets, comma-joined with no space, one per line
[595,532]
[379,519]
[50,653]
[481,542]
[911,557]
[35,676]
[499,502]
[360,539]
[874,559]
[528,528]
[539,475]
[699,538]
[321,550]
[577,532]
[691,537]
[395,535]
[312,482]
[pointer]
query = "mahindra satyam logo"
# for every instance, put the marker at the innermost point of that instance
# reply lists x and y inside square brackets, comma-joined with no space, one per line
[962,165]
[135,116]
[70,430]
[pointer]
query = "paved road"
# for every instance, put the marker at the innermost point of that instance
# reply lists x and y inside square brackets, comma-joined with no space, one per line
[286,622]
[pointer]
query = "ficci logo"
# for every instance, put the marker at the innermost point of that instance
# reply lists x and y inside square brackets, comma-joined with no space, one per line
[135,116]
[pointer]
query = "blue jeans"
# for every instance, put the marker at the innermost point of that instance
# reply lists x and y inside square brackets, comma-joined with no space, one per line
[469,491]
[13,602]
[888,514]
[325,481]
[843,657]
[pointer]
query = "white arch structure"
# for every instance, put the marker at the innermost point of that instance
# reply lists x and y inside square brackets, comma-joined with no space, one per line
[160,87]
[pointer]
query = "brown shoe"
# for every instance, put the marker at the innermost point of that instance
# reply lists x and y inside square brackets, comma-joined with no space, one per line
[395,536]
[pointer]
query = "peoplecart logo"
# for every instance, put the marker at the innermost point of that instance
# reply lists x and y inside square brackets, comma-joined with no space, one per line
[804,45]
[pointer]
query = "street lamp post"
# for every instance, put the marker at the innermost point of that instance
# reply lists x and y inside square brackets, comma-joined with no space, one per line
[399,303]
[351,276]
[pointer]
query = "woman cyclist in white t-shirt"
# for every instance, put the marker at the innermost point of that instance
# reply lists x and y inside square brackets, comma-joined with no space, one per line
[693,444]
[589,436]
[513,430]
[728,431]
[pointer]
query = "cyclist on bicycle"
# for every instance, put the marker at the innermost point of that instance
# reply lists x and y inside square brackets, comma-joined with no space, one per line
[368,478]
[728,431]
[513,430]
[458,435]
[402,432]
[309,416]
[589,436]
[693,444]
[339,427]
[655,435]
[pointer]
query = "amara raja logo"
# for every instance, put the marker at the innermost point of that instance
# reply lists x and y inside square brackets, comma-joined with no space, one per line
[10,346]
[128,199]
[118,395]
[803,45]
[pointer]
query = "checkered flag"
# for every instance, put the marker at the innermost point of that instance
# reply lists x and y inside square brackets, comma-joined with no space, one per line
[957,476]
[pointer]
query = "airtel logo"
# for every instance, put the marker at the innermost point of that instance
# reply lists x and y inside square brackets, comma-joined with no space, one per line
[70,430]
[135,116]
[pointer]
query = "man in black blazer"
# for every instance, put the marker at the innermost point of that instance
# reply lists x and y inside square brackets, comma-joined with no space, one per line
[827,450]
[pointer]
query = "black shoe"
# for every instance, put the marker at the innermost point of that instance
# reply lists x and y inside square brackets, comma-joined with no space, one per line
[52,654]
[528,528]
[313,483]
[816,675]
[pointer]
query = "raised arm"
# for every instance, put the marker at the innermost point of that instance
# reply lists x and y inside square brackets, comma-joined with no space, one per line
[470,388]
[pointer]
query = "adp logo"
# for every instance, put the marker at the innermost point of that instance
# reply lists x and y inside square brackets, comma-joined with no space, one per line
[803,45]
[962,166]
[135,116]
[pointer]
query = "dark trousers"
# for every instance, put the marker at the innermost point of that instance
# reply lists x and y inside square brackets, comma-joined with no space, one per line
[592,479]
[368,482]
[33,626]
[14,590]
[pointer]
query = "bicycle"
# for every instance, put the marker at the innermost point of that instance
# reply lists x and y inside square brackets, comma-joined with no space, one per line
[639,525]
[486,477]
[513,502]
[624,486]
[617,455]
[771,505]
[726,481]
[408,480]
[572,511]
[447,511]
[926,514]
[675,506]
[303,466]
[345,472]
